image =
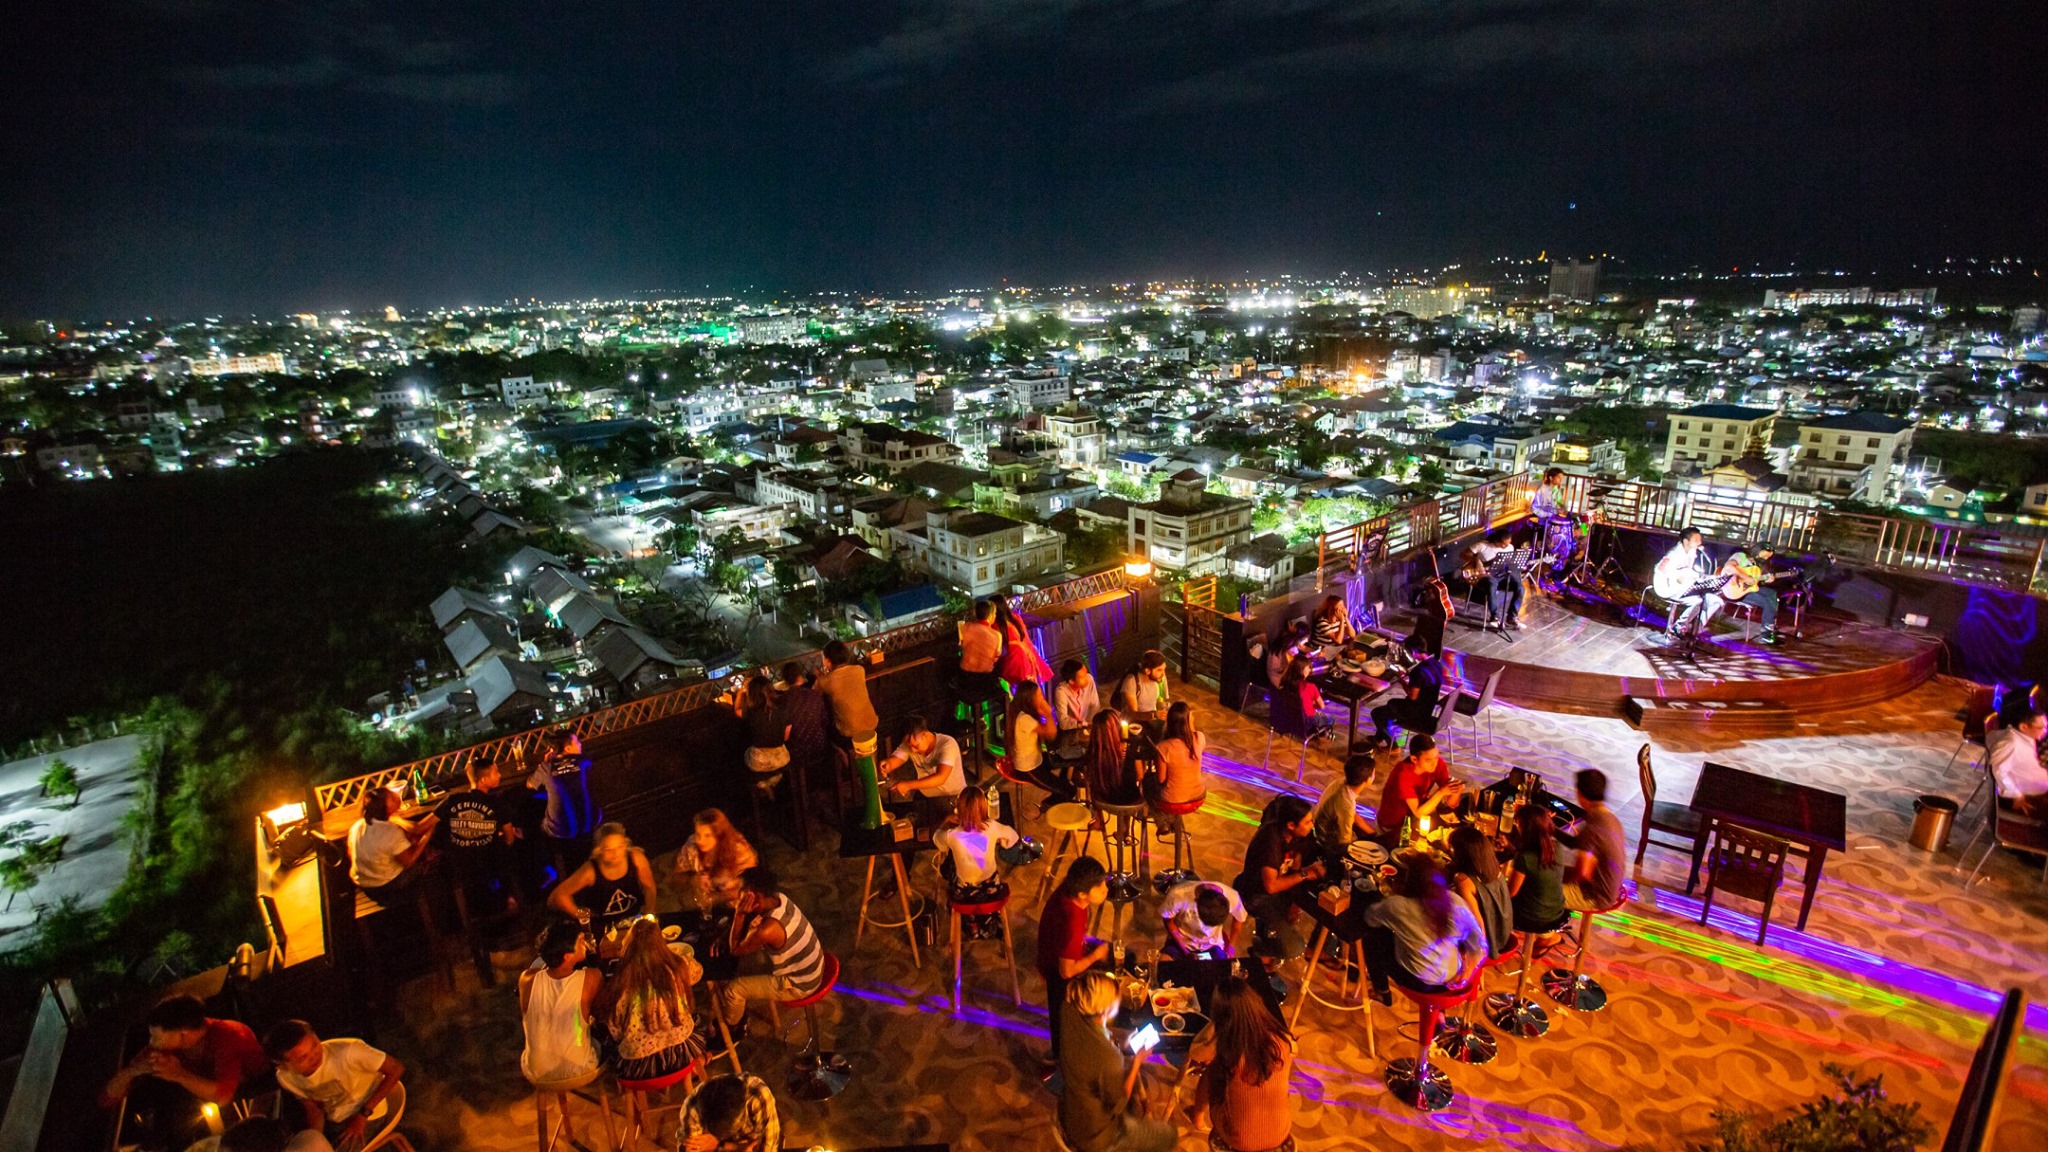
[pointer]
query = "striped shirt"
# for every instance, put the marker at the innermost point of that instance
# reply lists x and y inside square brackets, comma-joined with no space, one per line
[800,960]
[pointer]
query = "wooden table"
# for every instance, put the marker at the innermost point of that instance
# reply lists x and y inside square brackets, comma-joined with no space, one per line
[1352,690]
[855,843]
[1812,819]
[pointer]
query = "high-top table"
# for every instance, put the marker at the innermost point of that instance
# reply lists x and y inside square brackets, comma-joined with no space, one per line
[1811,819]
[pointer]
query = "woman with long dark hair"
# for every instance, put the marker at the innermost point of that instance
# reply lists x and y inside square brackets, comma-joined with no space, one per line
[1026,727]
[1244,1089]
[1107,768]
[646,1007]
[1179,776]
[1536,878]
[767,732]
[1422,936]
[1478,879]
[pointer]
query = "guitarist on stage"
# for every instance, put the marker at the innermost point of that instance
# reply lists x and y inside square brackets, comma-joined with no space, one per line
[1677,576]
[1749,582]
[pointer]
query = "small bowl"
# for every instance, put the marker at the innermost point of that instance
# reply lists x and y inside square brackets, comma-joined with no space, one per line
[1173,1024]
[672,933]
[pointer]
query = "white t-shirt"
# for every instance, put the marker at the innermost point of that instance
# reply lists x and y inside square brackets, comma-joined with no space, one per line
[974,853]
[373,851]
[945,755]
[2015,763]
[1028,754]
[1179,910]
[348,1071]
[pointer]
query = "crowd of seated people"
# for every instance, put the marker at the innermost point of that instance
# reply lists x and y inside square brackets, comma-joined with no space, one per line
[608,992]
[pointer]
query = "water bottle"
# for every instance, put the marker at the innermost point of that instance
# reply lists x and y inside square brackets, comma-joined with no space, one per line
[1244,606]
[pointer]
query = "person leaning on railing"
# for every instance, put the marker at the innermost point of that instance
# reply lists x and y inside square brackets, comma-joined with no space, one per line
[844,684]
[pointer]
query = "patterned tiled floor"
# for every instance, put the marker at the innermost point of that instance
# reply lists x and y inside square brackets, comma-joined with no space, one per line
[1894,974]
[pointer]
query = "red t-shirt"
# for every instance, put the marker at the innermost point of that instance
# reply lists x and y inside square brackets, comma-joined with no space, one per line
[228,1054]
[1406,783]
[1062,935]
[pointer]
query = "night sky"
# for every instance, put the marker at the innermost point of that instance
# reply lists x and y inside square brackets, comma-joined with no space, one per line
[179,156]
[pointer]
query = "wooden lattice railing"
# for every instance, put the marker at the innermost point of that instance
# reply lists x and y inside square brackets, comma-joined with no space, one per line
[523,748]
[1959,553]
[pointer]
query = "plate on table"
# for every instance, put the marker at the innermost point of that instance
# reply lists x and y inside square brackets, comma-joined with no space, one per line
[1367,852]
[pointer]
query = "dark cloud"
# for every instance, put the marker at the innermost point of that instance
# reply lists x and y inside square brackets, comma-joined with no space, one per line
[188,154]
[318,72]
[478,89]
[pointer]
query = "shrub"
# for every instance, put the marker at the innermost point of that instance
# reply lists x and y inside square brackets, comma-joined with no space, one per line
[1855,1117]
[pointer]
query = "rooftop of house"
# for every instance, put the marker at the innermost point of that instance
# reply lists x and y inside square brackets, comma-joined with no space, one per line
[1861,421]
[1726,412]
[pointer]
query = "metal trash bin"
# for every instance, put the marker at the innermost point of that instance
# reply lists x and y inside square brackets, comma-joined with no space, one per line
[1933,816]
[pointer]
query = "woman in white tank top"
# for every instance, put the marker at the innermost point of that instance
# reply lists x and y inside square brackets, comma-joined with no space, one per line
[555,996]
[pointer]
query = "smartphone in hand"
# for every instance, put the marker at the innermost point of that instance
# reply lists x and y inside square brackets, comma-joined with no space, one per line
[1145,1039]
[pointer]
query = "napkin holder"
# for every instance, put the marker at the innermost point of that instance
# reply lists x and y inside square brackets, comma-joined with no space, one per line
[902,828]
[1334,900]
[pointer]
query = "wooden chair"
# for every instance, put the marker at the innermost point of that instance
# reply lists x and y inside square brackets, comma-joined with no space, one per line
[559,1093]
[1676,819]
[1749,864]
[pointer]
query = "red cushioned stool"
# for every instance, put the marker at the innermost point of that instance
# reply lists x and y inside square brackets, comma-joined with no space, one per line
[638,1113]
[1000,908]
[1174,816]
[1417,1082]
[1464,1039]
[816,1075]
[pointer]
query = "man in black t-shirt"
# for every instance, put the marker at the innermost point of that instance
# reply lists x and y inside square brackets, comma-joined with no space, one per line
[478,835]
[1274,863]
[1416,711]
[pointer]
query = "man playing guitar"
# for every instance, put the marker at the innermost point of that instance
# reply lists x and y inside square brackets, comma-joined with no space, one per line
[1749,582]
[1682,578]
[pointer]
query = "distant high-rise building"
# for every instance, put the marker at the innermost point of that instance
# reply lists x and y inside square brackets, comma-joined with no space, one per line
[1574,279]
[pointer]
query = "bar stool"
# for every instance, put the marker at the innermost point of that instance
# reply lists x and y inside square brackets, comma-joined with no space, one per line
[814,1074]
[1133,823]
[1574,989]
[1354,959]
[636,1092]
[560,1092]
[1174,816]
[1417,1082]
[997,907]
[1009,776]
[1512,1012]
[1073,828]
[1464,1039]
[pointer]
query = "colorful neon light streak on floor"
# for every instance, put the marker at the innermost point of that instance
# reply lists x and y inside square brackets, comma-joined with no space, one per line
[1859,969]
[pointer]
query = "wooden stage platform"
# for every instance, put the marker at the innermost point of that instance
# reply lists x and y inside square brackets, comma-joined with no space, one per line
[1583,656]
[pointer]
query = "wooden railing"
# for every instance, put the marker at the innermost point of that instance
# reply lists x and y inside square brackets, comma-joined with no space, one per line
[523,748]
[1408,530]
[1958,553]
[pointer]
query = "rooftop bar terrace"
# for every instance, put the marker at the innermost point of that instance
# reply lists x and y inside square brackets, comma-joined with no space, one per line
[1897,971]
